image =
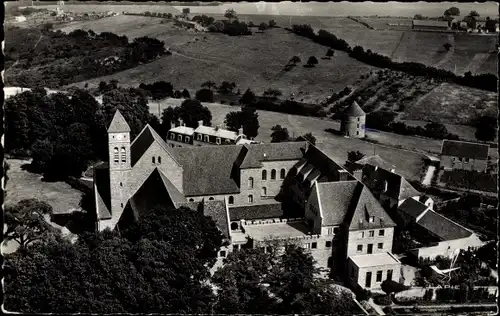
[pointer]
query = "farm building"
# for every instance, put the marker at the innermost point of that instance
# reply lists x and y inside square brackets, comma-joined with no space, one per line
[460,155]
[353,121]
[431,25]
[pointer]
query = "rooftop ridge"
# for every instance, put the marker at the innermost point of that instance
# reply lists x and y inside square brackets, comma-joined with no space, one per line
[118,123]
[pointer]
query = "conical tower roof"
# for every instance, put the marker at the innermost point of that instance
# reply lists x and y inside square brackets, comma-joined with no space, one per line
[118,124]
[354,110]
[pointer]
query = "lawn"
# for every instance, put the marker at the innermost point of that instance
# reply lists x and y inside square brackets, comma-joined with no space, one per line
[470,180]
[408,163]
[25,185]
[255,61]
[452,104]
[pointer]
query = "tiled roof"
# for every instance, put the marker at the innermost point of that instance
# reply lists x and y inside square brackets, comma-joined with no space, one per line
[442,226]
[354,110]
[261,211]
[335,200]
[272,152]
[465,149]
[412,208]
[375,179]
[175,196]
[217,132]
[118,124]
[375,161]
[103,193]
[315,159]
[207,169]
[217,211]
[143,141]
[443,24]
[365,206]
[183,130]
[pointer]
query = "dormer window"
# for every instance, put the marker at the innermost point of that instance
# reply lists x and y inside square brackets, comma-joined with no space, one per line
[198,137]
[187,139]
[206,138]
[172,136]
[217,140]
[179,138]
[371,219]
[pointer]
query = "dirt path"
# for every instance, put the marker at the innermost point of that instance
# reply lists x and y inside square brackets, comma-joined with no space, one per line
[397,46]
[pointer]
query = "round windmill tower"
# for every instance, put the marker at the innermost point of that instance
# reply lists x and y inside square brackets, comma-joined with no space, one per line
[353,121]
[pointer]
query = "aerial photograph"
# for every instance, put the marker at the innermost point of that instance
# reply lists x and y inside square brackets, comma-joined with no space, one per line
[335,158]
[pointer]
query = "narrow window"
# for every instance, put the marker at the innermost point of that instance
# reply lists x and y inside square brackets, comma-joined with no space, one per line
[282,174]
[360,248]
[330,231]
[231,200]
[217,140]
[264,191]
[153,160]
[250,198]
[121,204]
[179,138]
[273,174]
[198,136]
[381,232]
[314,245]
[362,234]
[250,182]
[307,245]
[372,233]
[172,136]
[121,184]
[206,138]
[328,244]
[116,155]
[389,274]
[124,155]
[379,276]
[380,245]
[357,133]
[187,139]
[264,174]
[159,159]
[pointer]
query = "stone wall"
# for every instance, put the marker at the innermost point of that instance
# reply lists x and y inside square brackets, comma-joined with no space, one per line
[447,248]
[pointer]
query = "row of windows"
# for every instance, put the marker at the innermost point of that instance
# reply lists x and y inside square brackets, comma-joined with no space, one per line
[378,277]
[199,137]
[465,160]
[153,160]
[380,245]
[116,155]
[273,174]
[371,233]
[187,139]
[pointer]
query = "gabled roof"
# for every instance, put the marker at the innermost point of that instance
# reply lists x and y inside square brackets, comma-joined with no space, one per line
[118,124]
[257,153]
[442,227]
[217,211]
[183,130]
[143,141]
[376,161]
[207,170]
[335,200]
[217,132]
[412,208]
[315,159]
[465,149]
[376,178]
[253,212]
[366,205]
[353,110]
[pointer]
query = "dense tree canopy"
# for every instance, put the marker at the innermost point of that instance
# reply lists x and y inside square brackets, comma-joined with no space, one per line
[486,128]
[248,97]
[248,118]
[279,134]
[190,111]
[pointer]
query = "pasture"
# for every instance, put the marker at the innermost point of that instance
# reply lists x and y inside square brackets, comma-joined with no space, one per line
[97,7]
[409,163]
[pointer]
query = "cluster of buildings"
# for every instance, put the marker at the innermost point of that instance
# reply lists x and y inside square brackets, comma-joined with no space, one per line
[256,192]
[468,23]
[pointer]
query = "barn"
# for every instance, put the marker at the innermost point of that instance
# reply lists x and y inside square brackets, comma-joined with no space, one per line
[430,25]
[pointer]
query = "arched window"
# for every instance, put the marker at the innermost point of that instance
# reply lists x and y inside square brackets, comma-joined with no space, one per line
[191,200]
[234,226]
[231,200]
[264,191]
[250,182]
[116,155]
[250,198]
[153,160]
[282,174]
[124,154]
[159,159]
[273,174]
[210,198]
[264,174]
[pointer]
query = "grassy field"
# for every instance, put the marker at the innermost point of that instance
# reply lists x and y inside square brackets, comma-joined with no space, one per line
[255,61]
[136,8]
[25,185]
[452,104]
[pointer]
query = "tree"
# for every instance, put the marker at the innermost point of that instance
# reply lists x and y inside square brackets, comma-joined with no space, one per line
[486,128]
[227,87]
[205,95]
[209,85]
[230,14]
[192,111]
[272,93]
[262,27]
[330,52]
[26,222]
[248,118]
[41,153]
[453,11]
[185,94]
[312,61]
[447,46]
[353,156]
[473,14]
[279,134]
[294,60]
[248,97]
[418,17]
[436,130]
[309,137]
[272,23]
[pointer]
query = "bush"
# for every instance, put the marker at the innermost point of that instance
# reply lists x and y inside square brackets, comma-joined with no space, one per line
[363,295]
[205,95]
[383,300]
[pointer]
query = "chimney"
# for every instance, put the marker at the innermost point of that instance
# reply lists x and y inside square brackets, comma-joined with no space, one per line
[385,186]
[240,131]
[181,122]
[200,123]
[172,124]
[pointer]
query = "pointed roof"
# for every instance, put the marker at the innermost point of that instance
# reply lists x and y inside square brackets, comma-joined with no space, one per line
[397,187]
[367,205]
[354,110]
[118,124]
[335,200]
[143,141]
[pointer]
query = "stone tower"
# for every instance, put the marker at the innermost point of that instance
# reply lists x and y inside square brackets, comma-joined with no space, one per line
[119,164]
[353,121]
